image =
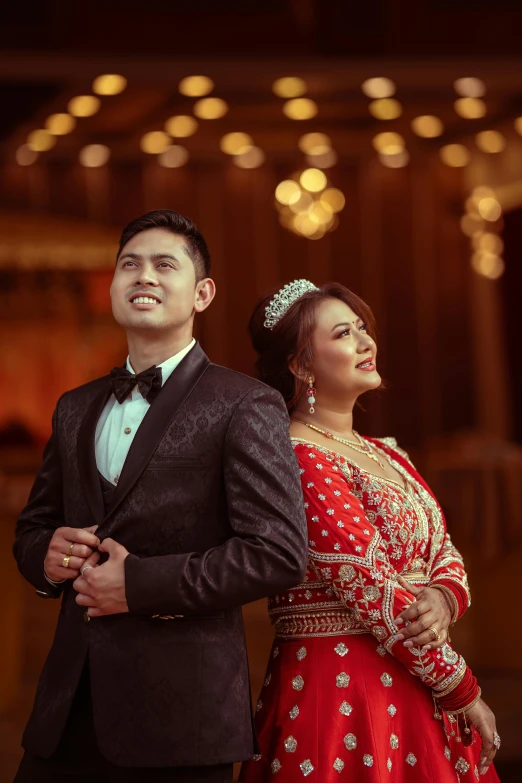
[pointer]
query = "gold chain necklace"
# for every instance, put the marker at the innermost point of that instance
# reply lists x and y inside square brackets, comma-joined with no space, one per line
[361,446]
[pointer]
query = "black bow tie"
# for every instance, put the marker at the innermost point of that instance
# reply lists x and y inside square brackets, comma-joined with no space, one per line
[148,382]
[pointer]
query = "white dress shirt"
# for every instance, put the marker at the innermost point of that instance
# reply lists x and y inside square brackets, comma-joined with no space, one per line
[118,423]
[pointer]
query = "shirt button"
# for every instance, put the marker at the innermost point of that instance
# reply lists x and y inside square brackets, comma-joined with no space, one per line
[116,479]
[127,430]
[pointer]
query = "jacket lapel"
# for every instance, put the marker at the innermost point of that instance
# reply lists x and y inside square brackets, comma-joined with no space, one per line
[87,455]
[157,419]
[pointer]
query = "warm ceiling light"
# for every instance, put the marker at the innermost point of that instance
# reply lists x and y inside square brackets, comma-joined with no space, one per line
[333,199]
[314,143]
[470,87]
[288,192]
[427,125]
[378,87]
[470,108]
[300,109]
[181,126]
[518,125]
[396,161]
[455,155]
[489,208]
[155,142]
[490,141]
[289,87]
[324,160]
[60,124]
[109,84]
[196,86]
[40,140]
[173,157]
[388,143]
[236,143]
[250,159]
[210,108]
[313,180]
[488,265]
[25,156]
[94,155]
[83,105]
[385,109]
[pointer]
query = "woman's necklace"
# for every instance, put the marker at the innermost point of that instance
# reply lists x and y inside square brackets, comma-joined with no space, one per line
[360,445]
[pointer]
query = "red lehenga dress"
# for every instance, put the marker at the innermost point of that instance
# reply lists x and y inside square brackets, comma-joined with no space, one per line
[342,699]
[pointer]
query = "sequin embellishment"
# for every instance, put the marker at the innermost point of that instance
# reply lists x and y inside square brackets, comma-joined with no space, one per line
[301,653]
[411,760]
[345,708]
[275,766]
[341,649]
[294,712]
[267,681]
[386,680]
[394,741]
[350,742]
[462,765]
[447,753]
[338,765]
[290,744]
[259,705]
[368,760]
[298,683]
[389,765]
[392,710]
[306,767]
[342,680]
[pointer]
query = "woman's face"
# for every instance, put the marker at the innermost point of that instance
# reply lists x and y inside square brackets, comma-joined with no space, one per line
[344,363]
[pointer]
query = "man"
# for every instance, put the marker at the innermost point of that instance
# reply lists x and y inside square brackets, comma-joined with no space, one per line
[168,496]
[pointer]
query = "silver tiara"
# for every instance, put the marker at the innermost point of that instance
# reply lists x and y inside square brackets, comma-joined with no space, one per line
[284,299]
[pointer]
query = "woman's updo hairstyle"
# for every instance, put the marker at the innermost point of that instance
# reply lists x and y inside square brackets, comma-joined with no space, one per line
[290,339]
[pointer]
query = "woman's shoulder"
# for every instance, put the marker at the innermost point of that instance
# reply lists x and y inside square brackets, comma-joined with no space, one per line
[390,444]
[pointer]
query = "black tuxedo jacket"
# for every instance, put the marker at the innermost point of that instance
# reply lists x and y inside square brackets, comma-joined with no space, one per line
[209,505]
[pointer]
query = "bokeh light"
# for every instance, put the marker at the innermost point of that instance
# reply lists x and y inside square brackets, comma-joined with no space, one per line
[518,125]
[83,105]
[25,156]
[470,87]
[488,265]
[333,198]
[173,157]
[470,108]
[250,159]
[313,180]
[454,155]
[314,143]
[109,84]
[94,155]
[154,142]
[288,192]
[323,160]
[490,141]
[488,243]
[471,226]
[378,87]
[60,124]
[395,161]
[300,109]
[196,86]
[489,209]
[236,143]
[304,203]
[427,126]
[181,126]
[385,109]
[41,140]
[388,143]
[289,87]
[210,108]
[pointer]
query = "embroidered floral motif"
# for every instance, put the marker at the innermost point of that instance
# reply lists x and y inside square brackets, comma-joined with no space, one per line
[447,753]
[411,760]
[301,653]
[350,742]
[298,683]
[257,757]
[389,764]
[381,650]
[449,656]
[290,744]
[386,680]
[341,649]
[368,760]
[294,712]
[275,766]
[347,573]
[345,708]
[392,710]
[306,767]
[394,741]
[462,765]
[342,680]
[338,765]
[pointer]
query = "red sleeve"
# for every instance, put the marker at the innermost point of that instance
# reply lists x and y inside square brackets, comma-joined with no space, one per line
[347,551]
[448,572]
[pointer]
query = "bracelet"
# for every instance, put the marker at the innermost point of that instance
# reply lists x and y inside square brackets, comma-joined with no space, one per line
[467,707]
[452,686]
[52,582]
[454,605]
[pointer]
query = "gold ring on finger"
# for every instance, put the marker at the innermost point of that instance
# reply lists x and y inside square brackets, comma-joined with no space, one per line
[66,561]
[71,549]
[435,635]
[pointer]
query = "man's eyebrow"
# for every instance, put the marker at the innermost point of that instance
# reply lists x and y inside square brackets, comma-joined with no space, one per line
[159,256]
[346,323]
[134,256]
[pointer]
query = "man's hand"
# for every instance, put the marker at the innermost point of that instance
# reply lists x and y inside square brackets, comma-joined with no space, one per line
[430,610]
[101,588]
[75,543]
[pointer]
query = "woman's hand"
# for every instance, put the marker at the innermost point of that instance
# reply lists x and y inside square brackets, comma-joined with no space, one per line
[76,544]
[430,610]
[484,721]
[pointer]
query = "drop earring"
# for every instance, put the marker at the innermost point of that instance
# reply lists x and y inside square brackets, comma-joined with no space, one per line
[310,393]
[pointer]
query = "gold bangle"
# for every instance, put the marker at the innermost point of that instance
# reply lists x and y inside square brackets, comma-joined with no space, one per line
[454,605]
[466,708]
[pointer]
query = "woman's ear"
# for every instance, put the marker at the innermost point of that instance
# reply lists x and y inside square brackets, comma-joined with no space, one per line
[299,373]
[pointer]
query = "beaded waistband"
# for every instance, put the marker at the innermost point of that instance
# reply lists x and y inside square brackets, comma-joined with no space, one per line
[326,623]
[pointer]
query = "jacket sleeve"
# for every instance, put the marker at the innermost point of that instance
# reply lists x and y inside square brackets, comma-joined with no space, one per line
[267,551]
[448,574]
[347,551]
[42,515]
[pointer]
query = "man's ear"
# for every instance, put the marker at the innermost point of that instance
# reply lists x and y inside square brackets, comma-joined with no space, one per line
[205,293]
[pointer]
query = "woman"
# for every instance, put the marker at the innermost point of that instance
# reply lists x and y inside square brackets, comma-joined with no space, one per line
[362,683]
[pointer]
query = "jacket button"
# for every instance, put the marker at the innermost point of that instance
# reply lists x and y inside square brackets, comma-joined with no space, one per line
[127,430]
[86,618]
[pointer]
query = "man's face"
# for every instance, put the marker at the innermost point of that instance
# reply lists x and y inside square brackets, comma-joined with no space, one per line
[154,283]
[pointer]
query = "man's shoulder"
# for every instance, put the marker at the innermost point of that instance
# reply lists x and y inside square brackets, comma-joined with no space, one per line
[237,382]
[86,392]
